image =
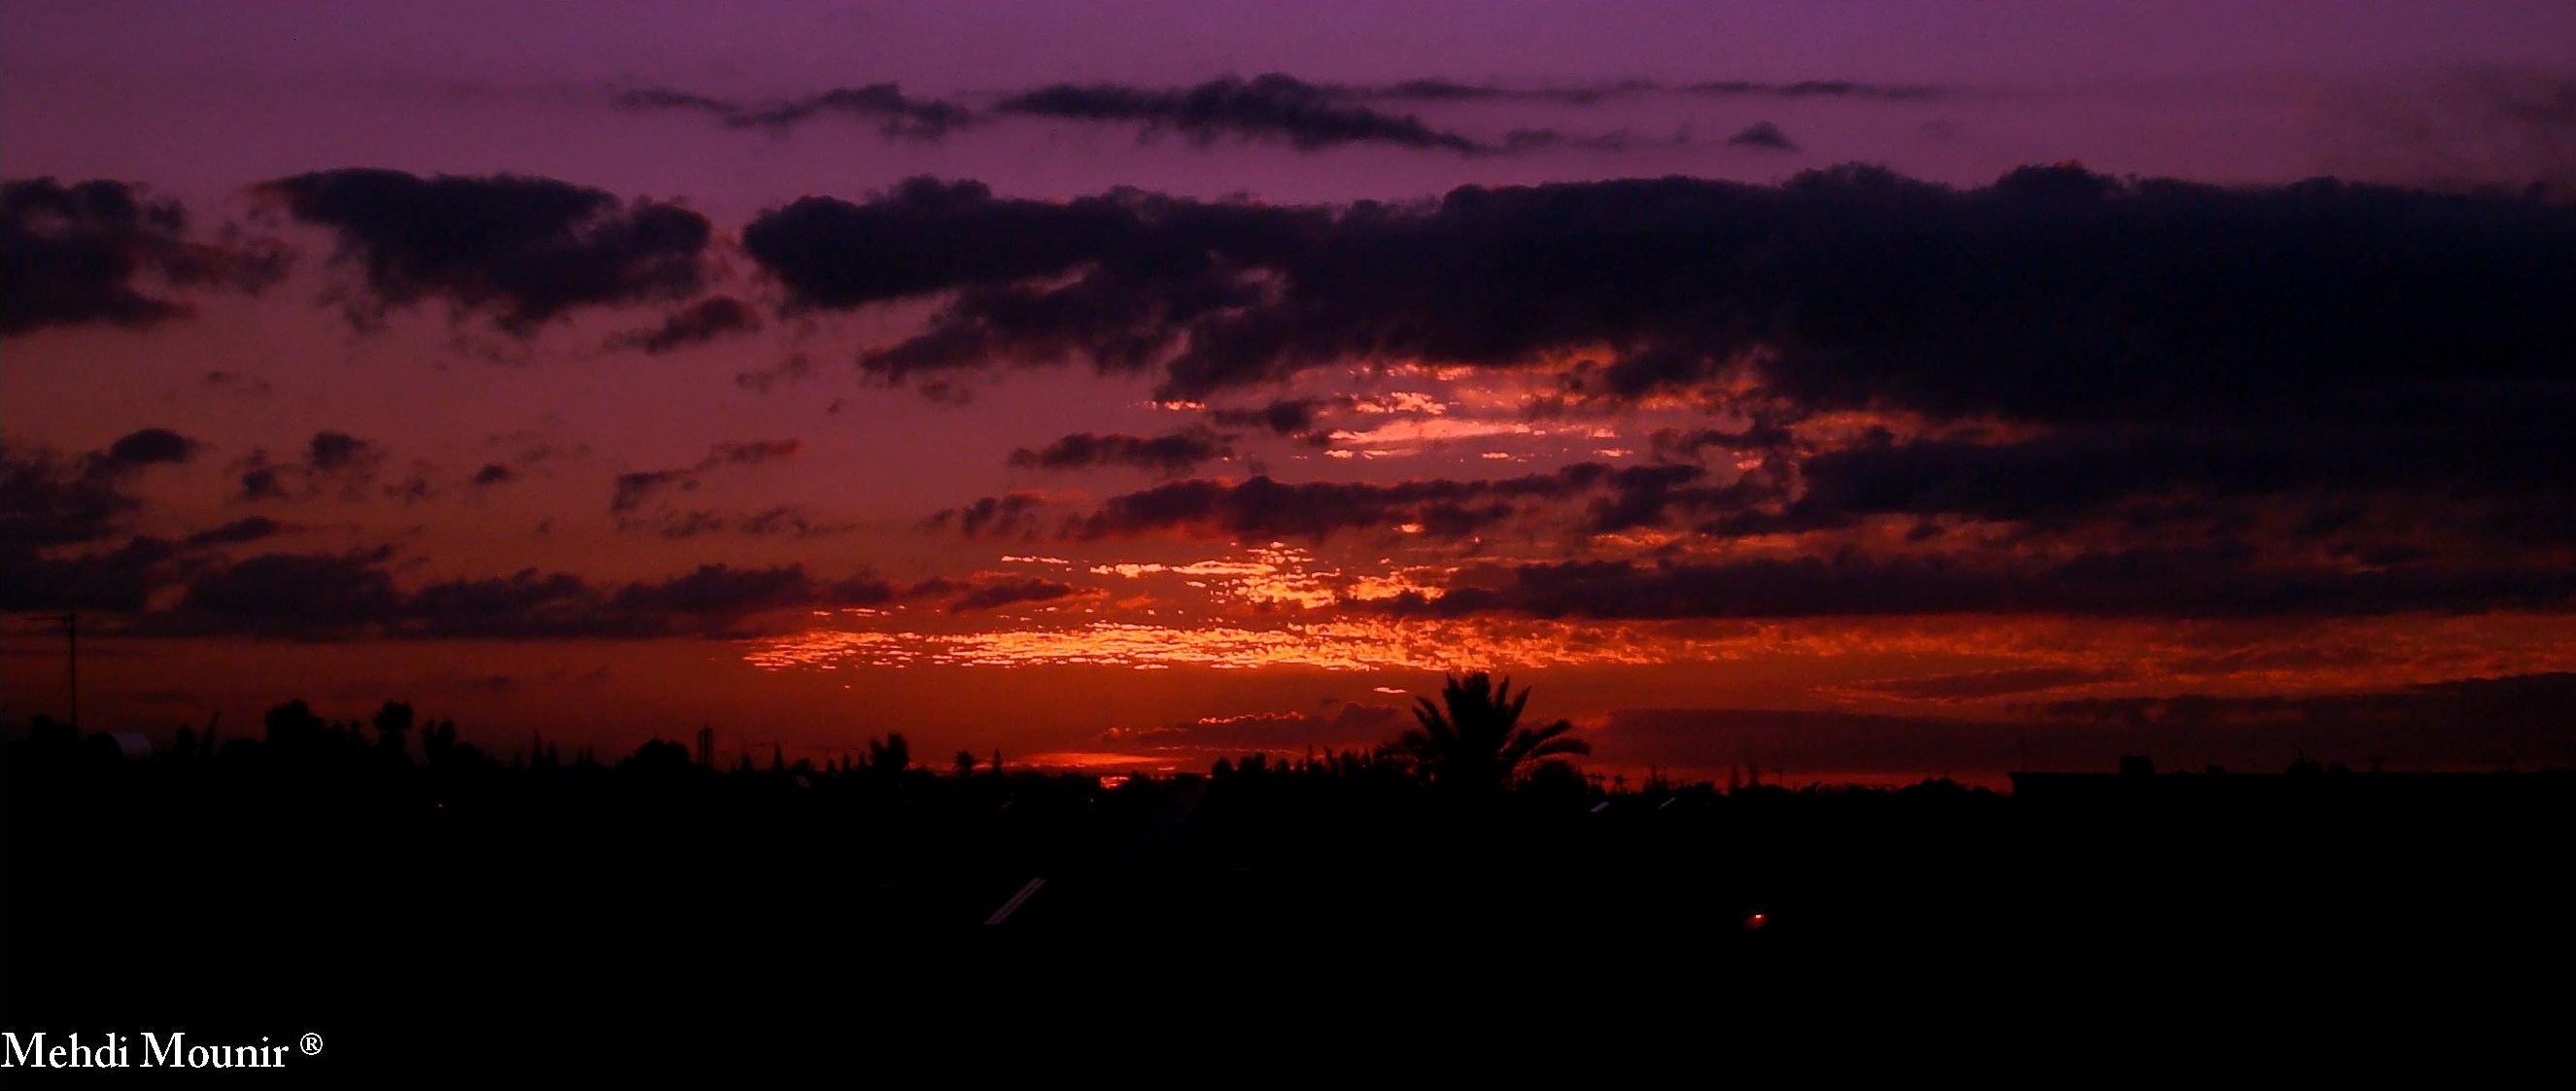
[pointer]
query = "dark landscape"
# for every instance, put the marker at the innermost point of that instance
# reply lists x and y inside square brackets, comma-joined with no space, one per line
[402,890]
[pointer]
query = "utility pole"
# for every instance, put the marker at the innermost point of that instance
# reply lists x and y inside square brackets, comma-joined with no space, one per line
[71,645]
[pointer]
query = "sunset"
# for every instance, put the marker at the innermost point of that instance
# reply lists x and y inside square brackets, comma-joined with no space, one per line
[1829,398]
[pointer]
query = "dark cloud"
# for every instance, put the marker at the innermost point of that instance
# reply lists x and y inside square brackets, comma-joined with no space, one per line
[2491,462]
[1763,134]
[1124,272]
[785,521]
[525,249]
[790,521]
[861,590]
[695,324]
[643,99]
[1307,116]
[352,595]
[414,488]
[718,591]
[990,594]
[1815,89]
[2181,582]
[238,532]
[292,595]
[57,513]
[1173,453]
[927,236]
[1101,317]
[119,579]
[1444,90]
[2144,372]
[48,499]
[1641,496]
[749,452]
[1853,287]
[494,473]
[1284,416]
[1261,508]
[70,255]
[150,446]
[1010,516]
[895,113]
[334,451]
[332,461]
[1763,433]
[77,254]
[689,524]
[525,605]
[1616,140]
[1313,116]
[633,490]
[262,481]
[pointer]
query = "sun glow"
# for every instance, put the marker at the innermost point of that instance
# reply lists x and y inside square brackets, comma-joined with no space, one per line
[1338,645]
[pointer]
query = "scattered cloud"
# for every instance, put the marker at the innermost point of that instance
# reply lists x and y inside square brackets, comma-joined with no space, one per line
[338,596]
[241,531]
[1009,516]
[2171,582]
[1440,508]
[696,324]
[334,462]
[526,250]
[1763,134]
[633,490]
[994,593]
[1172,453]
[85,253]
[1840,289]
[894,113]
[47,499]
[1307,116]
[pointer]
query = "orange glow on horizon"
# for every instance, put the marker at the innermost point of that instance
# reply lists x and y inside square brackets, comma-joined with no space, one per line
[1443,645]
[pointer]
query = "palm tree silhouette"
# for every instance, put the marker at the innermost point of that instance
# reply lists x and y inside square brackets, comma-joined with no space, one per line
[1473,738]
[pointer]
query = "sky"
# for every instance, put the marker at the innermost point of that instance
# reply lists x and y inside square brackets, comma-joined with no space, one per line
[1858,392]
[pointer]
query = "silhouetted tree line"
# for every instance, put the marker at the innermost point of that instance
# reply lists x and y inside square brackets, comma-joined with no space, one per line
[1469,743]
[389,858]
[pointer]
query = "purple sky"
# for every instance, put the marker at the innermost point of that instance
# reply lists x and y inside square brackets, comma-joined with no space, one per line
[474,448]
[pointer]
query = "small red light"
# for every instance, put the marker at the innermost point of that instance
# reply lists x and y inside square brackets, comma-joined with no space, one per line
[1755,922]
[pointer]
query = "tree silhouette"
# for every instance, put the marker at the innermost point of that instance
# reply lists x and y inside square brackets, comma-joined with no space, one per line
[659,760]
[391,722]
[1472,739]
[294,726]
[891,756]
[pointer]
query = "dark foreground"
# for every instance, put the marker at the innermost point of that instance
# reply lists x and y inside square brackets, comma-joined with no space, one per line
[657,912]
